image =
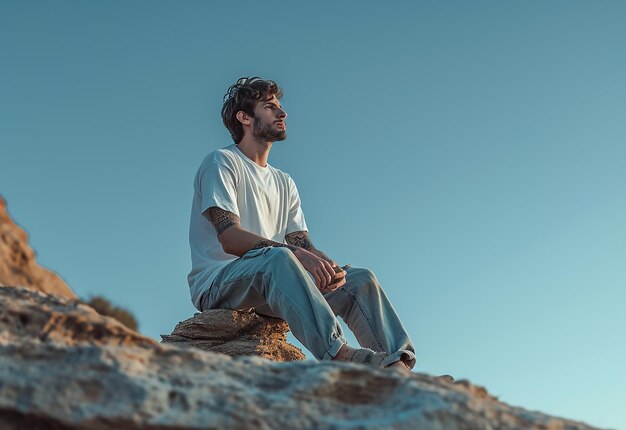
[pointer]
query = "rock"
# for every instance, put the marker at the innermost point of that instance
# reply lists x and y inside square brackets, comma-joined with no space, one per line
[63,366]
[18,264]
[236,333]
[26,315]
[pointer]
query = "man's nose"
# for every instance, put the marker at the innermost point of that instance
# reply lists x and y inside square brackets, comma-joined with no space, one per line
[282,114]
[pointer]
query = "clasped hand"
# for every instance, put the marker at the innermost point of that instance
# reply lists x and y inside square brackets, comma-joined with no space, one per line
[328,276]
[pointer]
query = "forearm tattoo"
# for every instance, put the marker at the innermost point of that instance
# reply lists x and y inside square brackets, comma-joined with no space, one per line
[266,242]
[221,219]
[299,239]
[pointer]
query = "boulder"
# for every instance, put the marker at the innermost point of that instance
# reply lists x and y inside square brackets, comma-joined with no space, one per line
[236,333]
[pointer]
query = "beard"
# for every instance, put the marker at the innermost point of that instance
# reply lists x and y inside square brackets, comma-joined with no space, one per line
[263,132]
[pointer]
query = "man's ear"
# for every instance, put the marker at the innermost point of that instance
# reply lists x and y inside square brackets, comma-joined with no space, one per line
[243,118]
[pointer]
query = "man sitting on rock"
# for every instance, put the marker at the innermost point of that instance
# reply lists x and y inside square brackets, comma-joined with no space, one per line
[250,245]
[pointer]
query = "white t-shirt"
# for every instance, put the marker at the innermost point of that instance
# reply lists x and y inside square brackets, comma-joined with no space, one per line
[265,199]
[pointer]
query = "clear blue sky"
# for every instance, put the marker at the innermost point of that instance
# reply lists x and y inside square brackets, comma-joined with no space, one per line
[472,154]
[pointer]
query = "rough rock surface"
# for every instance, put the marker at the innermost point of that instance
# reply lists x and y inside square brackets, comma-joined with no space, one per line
[18,265]
[236,333]
[63,366]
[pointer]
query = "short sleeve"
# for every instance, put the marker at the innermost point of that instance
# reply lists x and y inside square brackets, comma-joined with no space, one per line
[218,187]
[296,220]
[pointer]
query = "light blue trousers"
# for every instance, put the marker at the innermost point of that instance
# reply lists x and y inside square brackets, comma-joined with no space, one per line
[275,283]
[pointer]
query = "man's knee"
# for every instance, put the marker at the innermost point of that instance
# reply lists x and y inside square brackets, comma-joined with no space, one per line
[280,252]
[282,258]
[364,282]
[364,276]
[283,264]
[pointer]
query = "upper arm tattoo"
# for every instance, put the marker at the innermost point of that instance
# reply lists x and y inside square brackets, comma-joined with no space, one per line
[221,219]
[300,239]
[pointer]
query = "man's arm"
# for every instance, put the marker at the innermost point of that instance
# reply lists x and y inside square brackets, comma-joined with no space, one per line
[237,241]
[232,237]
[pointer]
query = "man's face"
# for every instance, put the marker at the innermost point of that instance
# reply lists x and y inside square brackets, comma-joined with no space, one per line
[269,123]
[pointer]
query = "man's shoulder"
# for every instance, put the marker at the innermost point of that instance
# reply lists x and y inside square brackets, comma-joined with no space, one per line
[224,156]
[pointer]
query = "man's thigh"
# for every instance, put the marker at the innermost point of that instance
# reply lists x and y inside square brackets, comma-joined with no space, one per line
[240,284]
[233,286]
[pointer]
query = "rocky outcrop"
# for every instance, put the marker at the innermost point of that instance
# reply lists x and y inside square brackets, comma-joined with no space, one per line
[18,265]
[63,366]
[236,333]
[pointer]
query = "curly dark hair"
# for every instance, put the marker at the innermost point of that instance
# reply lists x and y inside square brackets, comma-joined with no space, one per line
[244,95]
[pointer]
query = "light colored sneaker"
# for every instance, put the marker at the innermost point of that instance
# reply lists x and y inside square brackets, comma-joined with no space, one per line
[362,356]
[368,357]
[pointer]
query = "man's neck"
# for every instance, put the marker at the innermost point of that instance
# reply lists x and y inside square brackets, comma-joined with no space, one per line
[255,151]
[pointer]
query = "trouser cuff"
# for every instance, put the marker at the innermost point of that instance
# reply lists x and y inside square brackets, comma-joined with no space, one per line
[405,355]
[334,348]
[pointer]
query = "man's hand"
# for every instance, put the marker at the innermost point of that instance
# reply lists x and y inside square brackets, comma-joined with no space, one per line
[337,274]
[339,279]
[322,271]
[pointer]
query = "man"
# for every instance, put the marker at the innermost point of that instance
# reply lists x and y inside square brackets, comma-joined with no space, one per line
[250,245]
